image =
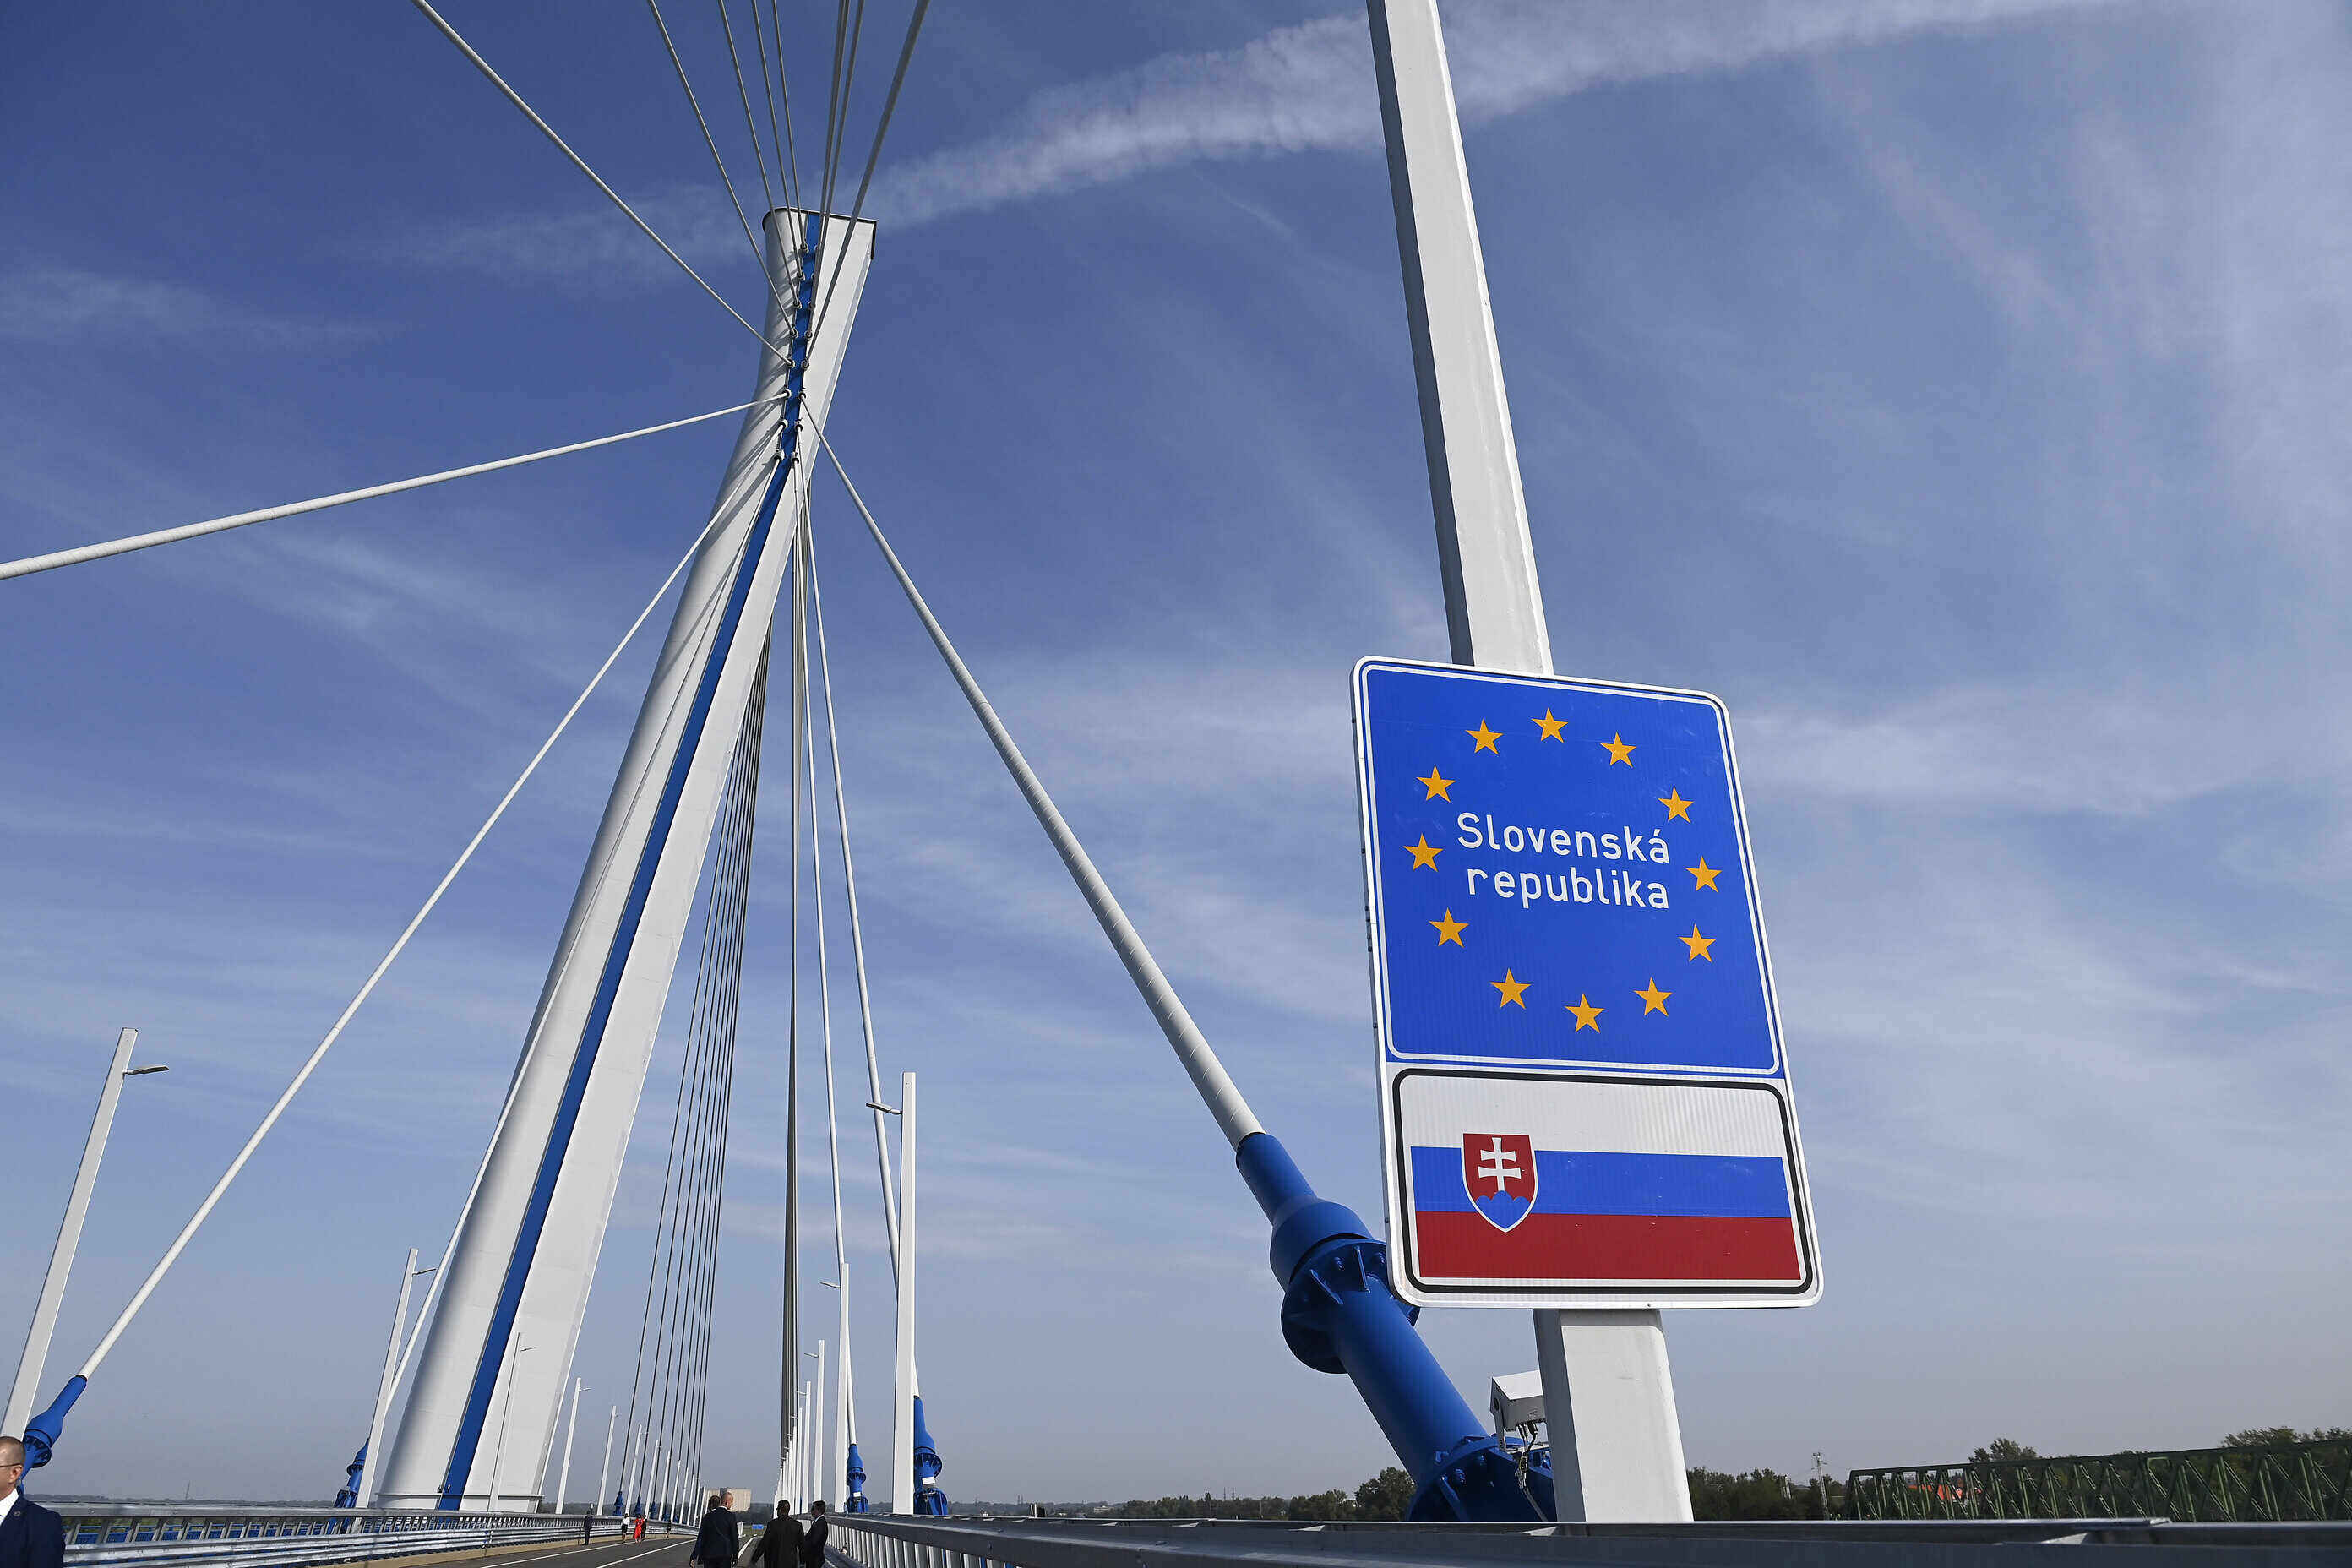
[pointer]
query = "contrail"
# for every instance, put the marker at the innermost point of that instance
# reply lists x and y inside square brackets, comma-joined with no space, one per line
[1309,87]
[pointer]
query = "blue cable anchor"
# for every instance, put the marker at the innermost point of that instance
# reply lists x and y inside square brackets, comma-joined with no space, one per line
[1340,1315]
[42,1431]
[854,1473]
[929,1502]
[348,1497]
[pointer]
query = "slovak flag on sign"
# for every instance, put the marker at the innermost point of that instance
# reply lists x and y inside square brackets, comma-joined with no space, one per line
[1499,1170]
[1613,1179]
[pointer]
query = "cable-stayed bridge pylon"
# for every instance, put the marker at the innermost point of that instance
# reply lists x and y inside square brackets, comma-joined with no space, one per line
[526,1252]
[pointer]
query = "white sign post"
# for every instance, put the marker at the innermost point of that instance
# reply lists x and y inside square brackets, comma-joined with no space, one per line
[1609,1395]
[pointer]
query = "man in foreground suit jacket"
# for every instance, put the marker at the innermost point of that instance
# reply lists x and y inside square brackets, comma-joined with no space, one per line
[30,1535]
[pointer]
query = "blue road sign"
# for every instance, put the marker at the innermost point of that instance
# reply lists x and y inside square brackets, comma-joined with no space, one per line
[1584,1098]
[1559,874]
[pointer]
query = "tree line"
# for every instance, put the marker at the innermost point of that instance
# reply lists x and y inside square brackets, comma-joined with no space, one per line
[1760,1493]
[1715,1494]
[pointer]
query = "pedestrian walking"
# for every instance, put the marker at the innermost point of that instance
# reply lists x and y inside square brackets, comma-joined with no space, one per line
[30,1535]
[716,1542]
[638,1527]
[778,1546]
[813,1538]
[587,1526]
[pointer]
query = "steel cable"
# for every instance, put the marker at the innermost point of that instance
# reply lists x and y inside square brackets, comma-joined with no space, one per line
[890,103]
[857,926]
[179,1242]
[789,1318]
[814,1435]
[873,156]
[768,92]
[80,554]
[685,1120]
[738,903]
[848,89]
[698,1211]
[672,1389]
[712,142]
[833,106]
[1218,1092]
[695,1337]
[844,1424]
[744,92]
[698,636]
[783,93]
[582,164]
[663,1244]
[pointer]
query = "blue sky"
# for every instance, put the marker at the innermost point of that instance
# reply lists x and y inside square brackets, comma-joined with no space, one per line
[1957,387]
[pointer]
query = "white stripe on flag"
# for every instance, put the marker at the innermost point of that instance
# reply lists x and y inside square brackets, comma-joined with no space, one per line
[1602,1117]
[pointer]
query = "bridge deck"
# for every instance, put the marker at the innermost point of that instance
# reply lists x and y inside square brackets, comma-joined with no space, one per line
[603,1553]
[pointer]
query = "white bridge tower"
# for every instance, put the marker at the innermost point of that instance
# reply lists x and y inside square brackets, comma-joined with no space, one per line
[527,1251]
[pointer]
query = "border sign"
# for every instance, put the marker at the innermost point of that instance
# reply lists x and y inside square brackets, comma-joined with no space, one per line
[1585,1100]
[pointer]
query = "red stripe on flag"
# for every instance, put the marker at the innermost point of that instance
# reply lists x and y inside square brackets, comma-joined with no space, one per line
[1605,1246]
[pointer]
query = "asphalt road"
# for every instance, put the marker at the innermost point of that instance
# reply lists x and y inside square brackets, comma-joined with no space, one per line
[654,1552]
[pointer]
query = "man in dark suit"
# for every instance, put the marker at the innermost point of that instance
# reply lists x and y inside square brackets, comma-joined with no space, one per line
[812,1539]
[716,1543]
[778,1546]
[30,1535]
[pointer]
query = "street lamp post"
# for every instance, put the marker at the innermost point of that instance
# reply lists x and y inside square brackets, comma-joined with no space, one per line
[498,1451]
[902,1426]
[563,1477]
[371,1456]
[61,1255]
[604,1473]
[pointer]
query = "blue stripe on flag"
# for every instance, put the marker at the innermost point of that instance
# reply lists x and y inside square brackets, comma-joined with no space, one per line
[1727,1186]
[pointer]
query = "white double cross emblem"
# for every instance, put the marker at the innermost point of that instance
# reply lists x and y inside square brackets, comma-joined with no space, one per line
[1498,1165]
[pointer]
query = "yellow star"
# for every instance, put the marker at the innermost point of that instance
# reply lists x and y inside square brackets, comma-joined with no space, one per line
[1675,806]
[1484,737]
[1619,752]
[1698,944]
[1437,786]
[1653,1000]
[1512,991]
[1704,875]
[1451,929]
[1551,727]
[1587,1016]
[1424,854]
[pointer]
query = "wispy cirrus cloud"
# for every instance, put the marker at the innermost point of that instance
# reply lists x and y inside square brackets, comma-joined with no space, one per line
[589,248]
[1309,88]
[1306,87]
[47,304]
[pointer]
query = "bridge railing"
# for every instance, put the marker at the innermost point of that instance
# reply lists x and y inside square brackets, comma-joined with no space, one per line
[126,1535]
[2275,1483]
[890,1541]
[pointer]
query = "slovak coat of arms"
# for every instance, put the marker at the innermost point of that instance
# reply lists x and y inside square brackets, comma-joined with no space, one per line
[1499,1169]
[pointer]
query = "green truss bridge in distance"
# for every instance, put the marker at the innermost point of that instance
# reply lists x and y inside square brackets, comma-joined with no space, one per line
[2268,1483]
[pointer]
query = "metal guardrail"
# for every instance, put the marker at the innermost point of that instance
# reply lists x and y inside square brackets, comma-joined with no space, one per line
[2272,1484]
[888,1540]
[126,1535]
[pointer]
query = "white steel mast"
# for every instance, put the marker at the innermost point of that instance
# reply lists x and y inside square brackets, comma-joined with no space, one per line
[527,1253]
[1616,1449]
